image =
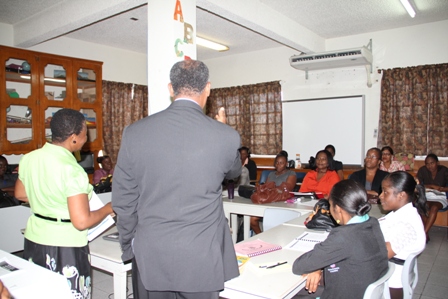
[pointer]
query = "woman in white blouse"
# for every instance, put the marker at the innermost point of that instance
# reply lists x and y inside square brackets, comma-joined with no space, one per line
[402,228]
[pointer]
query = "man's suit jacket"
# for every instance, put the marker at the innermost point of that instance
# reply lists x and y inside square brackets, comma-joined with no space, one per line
[167,196]
[360,176]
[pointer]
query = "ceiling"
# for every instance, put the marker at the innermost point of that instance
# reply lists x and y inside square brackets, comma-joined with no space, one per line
[302,25]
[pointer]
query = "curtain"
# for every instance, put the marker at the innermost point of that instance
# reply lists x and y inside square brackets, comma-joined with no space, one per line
[413,113]
[123,104]
[255,111]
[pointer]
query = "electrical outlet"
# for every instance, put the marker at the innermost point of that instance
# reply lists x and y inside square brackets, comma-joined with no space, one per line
[375,133]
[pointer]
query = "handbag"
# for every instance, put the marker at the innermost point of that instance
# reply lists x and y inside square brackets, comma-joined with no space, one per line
[321,218]
[246,190]
[7,200]
[268,193]
[105,185]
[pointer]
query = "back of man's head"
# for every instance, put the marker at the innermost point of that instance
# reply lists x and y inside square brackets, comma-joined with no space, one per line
[189,77]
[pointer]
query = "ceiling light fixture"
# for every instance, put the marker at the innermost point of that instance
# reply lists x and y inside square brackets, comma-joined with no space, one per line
[211,45]
[408,7]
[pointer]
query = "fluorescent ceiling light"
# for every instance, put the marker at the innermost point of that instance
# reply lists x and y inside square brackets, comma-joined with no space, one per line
[408,7]
[211,45]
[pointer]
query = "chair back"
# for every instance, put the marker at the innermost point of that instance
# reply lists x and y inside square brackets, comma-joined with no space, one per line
[264,176]
[276,216]
[409,276]
[380,288]
[300,176]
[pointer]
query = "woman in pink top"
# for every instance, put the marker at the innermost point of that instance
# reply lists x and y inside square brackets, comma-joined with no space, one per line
[107,169]
[387,161]
[323,178]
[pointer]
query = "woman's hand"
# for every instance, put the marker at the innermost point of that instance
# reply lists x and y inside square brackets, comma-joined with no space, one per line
[4,293]
[313,281]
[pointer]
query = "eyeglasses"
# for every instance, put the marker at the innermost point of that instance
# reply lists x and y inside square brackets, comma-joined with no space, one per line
[373,157]
[386,154]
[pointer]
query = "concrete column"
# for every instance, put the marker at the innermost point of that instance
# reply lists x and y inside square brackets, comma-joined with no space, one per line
[171,38]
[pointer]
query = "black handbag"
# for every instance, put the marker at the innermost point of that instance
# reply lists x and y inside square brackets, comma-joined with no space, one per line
[7,200]
[321,218]
[105,185]
[246,190]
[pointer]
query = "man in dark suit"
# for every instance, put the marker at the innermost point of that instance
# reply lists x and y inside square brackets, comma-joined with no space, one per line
[167,194]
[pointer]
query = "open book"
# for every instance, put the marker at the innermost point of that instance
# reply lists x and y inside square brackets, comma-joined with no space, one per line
[255,247]
[306,241]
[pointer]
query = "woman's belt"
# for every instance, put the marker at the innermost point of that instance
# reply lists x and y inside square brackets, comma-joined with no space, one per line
[51,218]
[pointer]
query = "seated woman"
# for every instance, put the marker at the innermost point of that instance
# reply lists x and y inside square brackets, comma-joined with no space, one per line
[323,178]
[281,175]
[387,162]
[337,165]
[402,229]
[106,164]
[371,177]
[354,254]
[433,176]
[248,163]
[7,180]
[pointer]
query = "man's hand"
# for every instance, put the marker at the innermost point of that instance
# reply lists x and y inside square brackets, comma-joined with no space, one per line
[221,116]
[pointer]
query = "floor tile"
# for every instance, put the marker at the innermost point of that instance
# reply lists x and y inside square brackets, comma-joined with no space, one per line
[435,291]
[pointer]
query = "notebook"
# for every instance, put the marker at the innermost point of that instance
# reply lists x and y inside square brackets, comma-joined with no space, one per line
[306,241]
[255,247]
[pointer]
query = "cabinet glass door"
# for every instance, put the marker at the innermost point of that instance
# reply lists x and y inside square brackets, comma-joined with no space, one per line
[18,102]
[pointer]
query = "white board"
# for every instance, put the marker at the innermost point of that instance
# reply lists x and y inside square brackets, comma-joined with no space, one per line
[310,124]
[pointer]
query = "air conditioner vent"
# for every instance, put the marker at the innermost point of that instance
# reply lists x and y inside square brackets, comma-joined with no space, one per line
[334,59]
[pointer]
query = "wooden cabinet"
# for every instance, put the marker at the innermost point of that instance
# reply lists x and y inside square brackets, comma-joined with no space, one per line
[33,86]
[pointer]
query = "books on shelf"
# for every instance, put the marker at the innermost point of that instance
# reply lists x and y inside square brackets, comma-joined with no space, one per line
[255,247]
[306,241]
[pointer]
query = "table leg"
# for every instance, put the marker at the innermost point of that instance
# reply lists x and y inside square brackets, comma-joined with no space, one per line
[234,225]
[120,284]
[246,226]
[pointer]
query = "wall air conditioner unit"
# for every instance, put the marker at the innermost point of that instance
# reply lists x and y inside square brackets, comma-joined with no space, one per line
[335,59]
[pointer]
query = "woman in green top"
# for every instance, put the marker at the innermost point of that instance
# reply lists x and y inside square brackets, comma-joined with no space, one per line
[58,191]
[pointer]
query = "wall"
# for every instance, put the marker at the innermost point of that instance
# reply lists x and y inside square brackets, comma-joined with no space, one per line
[410,46]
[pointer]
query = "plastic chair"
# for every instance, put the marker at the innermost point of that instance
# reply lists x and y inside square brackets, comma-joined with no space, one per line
[409,276]
[275,216]
[380,288]
[264,176]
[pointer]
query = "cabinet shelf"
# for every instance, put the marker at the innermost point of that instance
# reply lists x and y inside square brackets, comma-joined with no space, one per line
[51,81]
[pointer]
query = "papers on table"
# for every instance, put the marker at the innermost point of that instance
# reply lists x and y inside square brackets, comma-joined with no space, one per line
[95,204]
[306,241]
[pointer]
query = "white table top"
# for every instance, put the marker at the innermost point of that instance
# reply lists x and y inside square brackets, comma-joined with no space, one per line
[245,206]
[278,282]
[109,250]
[32,281]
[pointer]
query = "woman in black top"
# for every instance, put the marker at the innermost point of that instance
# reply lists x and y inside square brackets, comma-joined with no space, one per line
[354,254]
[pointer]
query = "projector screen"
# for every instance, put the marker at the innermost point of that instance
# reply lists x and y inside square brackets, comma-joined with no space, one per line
[310,124]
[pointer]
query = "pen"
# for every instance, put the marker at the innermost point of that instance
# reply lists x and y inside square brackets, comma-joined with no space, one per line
[278,264]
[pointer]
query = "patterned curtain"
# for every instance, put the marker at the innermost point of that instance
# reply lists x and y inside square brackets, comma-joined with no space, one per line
[414,105]
[123,104]
[255,111]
